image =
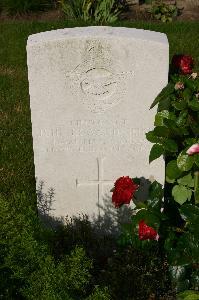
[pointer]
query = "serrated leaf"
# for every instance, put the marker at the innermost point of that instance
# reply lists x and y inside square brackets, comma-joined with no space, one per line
[155,197]
[156,190]
[172,170]
[181,194]
[173,129]
[194,105]
[187,94]
[160,116]
[170,145]
[186,180]
[156,151]
[161,131]
[181,120]
[191,84]
[185,161]
[169,180]
[150,218]
[163,94]
[164,105]
[136,180]
[163,114]
[151,137]
[169,123]
[179,105]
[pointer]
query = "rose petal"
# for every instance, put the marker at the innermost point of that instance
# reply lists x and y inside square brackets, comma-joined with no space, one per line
[193,149]
[146,232]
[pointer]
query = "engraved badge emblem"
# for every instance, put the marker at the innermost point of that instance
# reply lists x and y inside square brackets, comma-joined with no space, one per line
[96,81]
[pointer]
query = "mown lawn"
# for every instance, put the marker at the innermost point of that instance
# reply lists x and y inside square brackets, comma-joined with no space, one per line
[16,158]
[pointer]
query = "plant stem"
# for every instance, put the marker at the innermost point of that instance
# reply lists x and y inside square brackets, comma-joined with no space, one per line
[196,186]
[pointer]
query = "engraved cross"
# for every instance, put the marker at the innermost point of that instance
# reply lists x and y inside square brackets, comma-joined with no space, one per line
[99,182]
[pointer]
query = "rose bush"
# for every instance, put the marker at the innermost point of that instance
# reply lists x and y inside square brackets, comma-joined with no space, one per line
[171,222]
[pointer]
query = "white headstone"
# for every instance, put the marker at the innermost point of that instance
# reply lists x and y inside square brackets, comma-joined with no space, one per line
[90,93]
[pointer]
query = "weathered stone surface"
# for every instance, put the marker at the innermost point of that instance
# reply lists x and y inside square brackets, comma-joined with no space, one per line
[90,93]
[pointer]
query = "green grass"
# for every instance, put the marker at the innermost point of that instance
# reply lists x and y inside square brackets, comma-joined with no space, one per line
[16,157]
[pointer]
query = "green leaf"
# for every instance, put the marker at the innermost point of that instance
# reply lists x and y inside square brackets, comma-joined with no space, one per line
[156,151]
[186,180]
[156,191]
[191,84]
[169,180]
[173,129]
[194,105]
[160,116]
[179,105]
[170,145]
[164,105]
[185,161]
[172,170]
[187,94]
[161,131]
[181,194]
[181,120]
[163,114]
[155,197]
[150,218]
[136,180]
[169,89]
[151,137]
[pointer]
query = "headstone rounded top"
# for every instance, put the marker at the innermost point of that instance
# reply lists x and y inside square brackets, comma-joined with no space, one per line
[98,32]
[90,92]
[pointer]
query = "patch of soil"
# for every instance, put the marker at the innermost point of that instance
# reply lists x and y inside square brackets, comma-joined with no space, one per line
[50,15]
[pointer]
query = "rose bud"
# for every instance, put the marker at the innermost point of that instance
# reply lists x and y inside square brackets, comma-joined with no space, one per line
[124,189]
[179,86]
[193,149]
[146,232]
[183,63]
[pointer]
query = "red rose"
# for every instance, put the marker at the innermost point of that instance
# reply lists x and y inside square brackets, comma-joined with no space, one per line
[183,63]
[123,191]
[146,232]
